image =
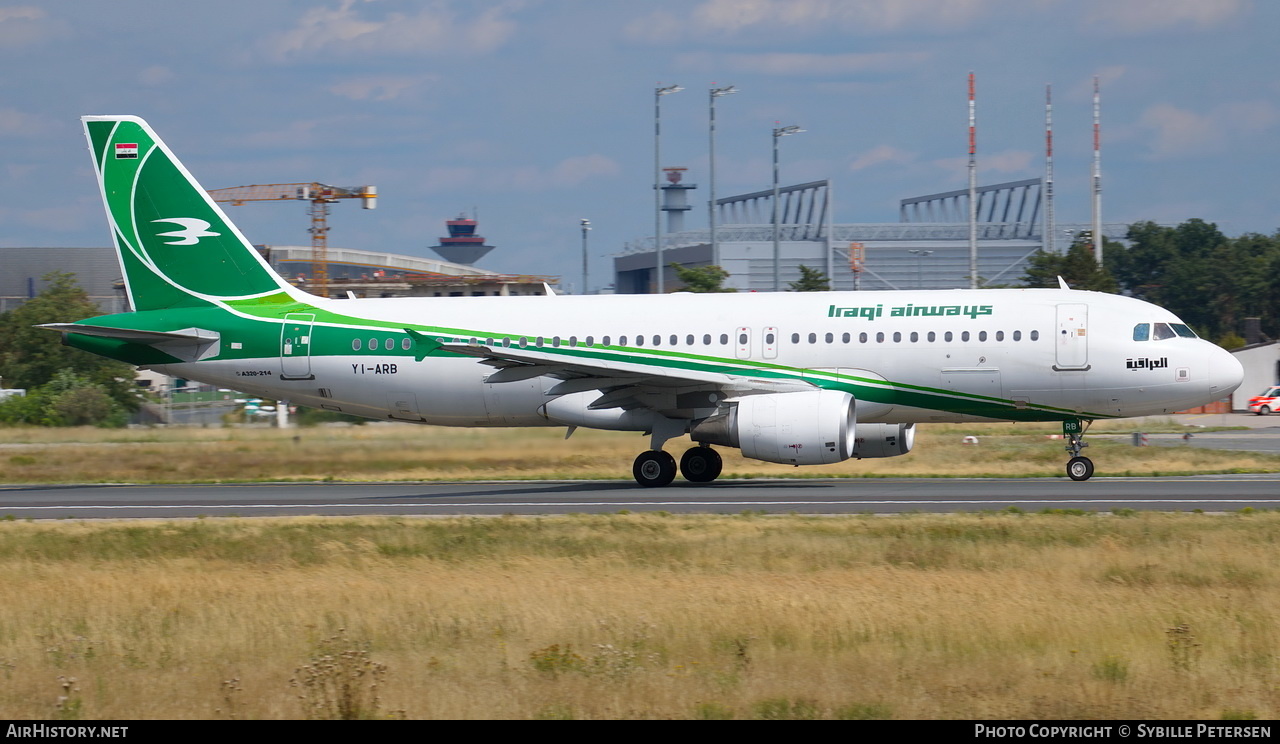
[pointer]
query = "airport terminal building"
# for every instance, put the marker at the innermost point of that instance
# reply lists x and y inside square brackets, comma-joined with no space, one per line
[928,248]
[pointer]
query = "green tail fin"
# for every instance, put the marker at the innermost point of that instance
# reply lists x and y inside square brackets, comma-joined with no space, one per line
[175,245]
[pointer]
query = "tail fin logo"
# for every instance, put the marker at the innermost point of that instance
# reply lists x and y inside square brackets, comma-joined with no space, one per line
[192,230]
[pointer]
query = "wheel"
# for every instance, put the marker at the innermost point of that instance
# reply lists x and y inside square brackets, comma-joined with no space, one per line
[1079,468]
[654,469]
[1265,410]
[701,465]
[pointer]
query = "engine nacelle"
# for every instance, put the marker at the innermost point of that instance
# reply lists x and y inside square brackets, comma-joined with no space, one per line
[812,427]
[884,440]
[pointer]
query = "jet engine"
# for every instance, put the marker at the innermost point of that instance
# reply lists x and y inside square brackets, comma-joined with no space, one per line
[813,427]
[883,440]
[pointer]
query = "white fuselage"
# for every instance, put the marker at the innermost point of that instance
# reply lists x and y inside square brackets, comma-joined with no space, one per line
[1030,349]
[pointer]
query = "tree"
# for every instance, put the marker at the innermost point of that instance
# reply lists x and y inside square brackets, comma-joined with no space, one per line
[811,280]
[1077,266]
[702,278]
[31,357]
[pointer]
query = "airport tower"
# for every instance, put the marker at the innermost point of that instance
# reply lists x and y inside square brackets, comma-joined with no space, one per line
[462,246]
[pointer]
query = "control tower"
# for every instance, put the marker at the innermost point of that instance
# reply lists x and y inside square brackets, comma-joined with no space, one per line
[462,246]
[675,198]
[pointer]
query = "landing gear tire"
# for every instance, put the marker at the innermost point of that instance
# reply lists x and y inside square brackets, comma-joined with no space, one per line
[1080,468]
[701,465]
[654,469]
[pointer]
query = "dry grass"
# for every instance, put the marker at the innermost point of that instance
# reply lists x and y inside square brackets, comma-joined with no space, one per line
[404,452]
[998,616]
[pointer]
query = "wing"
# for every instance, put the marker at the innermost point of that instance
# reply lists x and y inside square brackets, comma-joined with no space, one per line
[624,380]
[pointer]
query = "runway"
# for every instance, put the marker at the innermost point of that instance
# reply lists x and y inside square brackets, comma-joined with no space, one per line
[1210,493]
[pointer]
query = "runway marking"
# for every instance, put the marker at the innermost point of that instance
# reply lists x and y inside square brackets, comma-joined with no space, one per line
[525,504]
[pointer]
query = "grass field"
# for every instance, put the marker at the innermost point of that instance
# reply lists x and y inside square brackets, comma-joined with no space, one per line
[995,616]
[384,452]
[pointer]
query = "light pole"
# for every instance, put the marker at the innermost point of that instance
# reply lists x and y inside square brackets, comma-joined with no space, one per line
[711,205]
[658,93]
[778,133]
[919,254]
[586,228]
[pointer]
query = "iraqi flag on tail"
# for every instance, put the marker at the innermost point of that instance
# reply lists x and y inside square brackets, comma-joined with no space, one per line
[126,150]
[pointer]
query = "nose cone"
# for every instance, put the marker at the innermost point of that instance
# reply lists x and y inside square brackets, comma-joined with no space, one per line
[1225,373]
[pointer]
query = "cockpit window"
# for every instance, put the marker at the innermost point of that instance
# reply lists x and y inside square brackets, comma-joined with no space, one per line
[1142,332]
[1183,330]
[1163,331]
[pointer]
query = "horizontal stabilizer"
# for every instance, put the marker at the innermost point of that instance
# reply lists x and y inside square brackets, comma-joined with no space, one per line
[188,344]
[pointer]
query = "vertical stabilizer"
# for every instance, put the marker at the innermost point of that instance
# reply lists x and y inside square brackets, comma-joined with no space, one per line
[175,245]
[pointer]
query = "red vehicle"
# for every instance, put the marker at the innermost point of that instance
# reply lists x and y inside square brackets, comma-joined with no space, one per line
[1267,402]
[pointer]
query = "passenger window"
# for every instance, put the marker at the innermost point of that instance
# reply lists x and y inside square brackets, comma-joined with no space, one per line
[932,336]
[897,337]
[813,338]
[862,338]
[999,335]
[880,337]
[1142,332]
[555,341]
[706,339]
[947,337]
[982,335]
[724,339]
[742,339]
[769,339]
[846,338]
[675,340]
[657,340]
[1017,335]
[389,344]
[355,345]
[830,338]
[622,341]
[1163,331]
[538,341]
[639,340]
[914,337]
[405,343]
[373,344]
[1035,335]
[964,336]
[689,339]
[795,338]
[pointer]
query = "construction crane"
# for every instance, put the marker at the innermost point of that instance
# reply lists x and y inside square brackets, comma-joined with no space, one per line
[321,196]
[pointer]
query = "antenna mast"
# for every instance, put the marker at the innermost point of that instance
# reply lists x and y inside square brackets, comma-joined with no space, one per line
[1097,173]
[1049,229]
[973,191]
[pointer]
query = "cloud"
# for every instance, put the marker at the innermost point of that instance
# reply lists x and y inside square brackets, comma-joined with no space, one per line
[856,16]
[802,63]
[381,87]
[569,172]
[15,123]
[879,155]
[1177,132]
[434,29]
[1008,161]
[1136,16]
[26,25]
[155,75]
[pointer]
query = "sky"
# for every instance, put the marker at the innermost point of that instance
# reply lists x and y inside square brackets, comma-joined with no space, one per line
[536,114]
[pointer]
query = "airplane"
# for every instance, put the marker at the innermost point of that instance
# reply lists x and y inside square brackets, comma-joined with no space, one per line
[794,378]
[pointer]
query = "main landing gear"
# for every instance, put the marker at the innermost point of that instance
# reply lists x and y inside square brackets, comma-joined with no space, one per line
[1078,468]
[655,468]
